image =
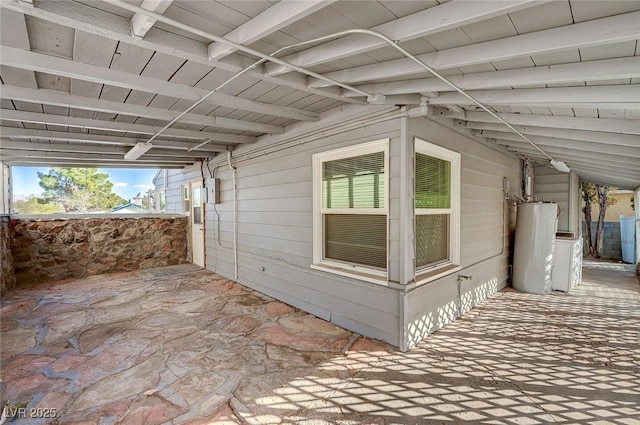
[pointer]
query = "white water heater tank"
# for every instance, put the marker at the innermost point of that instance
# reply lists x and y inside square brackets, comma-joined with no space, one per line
[533,252]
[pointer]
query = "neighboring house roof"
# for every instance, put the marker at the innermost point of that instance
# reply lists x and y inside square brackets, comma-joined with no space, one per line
[565,74]
[130,208]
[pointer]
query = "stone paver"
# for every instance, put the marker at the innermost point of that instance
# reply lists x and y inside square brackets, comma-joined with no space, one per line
[184,346]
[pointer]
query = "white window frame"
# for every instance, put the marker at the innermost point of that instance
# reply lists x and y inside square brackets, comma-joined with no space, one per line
[356,271]
[185,189]
[436,271]
[162,193]
[5,195]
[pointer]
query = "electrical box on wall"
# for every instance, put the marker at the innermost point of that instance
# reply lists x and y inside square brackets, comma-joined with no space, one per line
[213,191]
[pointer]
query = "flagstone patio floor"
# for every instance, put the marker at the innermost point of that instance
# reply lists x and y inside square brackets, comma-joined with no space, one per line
[183,345]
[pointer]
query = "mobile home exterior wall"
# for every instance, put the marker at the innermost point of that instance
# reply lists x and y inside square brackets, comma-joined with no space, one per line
[275,229]
[486,226]
[551,185]
[273,199]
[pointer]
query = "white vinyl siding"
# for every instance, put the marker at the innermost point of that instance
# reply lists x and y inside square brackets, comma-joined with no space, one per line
[275,234]
[484,234]
[276,222]
[551,185]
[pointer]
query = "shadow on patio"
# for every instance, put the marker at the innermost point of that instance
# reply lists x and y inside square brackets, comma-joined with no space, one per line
[181,345]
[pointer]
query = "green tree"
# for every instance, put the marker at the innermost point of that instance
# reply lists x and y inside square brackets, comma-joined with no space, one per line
[596,194]
[79,189]
[35,205]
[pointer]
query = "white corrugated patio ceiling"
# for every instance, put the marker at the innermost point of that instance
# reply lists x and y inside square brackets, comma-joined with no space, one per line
[85,81]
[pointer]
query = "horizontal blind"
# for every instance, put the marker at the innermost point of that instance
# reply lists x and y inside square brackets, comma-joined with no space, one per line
[355,182]
[356,238]
[432,182]
[432,239]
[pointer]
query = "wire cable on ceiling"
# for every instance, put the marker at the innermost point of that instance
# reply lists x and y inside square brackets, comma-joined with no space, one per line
[561,166]
[427,68]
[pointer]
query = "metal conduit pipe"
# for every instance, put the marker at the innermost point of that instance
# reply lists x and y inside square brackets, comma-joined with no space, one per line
[235,218]
[427,68]
[264,57]
[561,166]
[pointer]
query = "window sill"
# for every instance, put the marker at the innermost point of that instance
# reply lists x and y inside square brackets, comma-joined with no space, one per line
[440,272]
[378,279]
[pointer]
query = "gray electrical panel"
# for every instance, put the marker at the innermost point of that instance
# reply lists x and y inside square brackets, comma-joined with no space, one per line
[213,191]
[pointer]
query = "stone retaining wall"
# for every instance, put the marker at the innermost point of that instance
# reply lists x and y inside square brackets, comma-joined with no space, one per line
[7,275]
[76,247]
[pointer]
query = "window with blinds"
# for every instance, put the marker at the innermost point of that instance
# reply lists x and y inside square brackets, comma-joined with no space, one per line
[352,208]
[437,188]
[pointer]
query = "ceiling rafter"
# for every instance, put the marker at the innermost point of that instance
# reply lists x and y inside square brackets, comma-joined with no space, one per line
[599,70]
[624,96]
[64,136]
[591,146]
[27,133]
[94,21]
[588,167]
[560,122]
[102,150]
[40,62]
[271,20]
[123,127]
[584,169]
[90,163]
[15,34]
[603,177]
[615,178]
[599,137]
[613,29]
[11,153]
[140,23]
[420,24]
[543,141]
[62,99]
[568,154]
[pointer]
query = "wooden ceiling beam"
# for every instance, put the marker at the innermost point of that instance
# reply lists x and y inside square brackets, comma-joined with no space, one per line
[558,122]
[63,136]
[94,21]
[594,158]
[141,23]
[599,70]
[271,20]
[168,151]
[107,156]
[420,24]
[623,96]
[587,136]
[88,163]
[614,29]
[49,97]
[122,127]
[40,62]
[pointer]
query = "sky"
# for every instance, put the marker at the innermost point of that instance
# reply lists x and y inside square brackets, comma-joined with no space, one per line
[127,182]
